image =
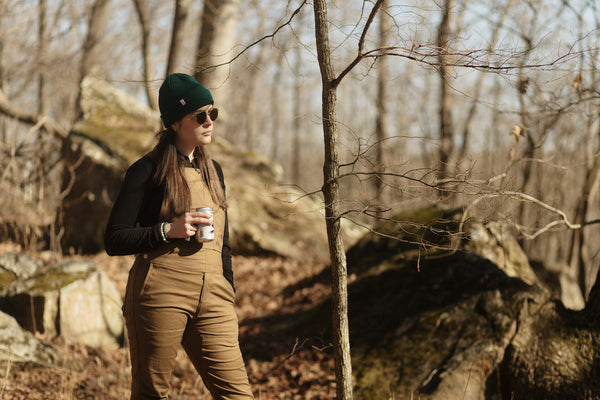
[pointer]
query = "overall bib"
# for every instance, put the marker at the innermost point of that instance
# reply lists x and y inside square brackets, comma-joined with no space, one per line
[177,296]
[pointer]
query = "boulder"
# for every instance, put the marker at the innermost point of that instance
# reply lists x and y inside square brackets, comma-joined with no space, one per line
[265,216]
[116,128]
[437,313]
[91,181]
[15,269]
[75,300]
[18,345]
[496,242]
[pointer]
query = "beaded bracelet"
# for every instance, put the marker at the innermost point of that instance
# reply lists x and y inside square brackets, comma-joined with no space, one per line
[163,232]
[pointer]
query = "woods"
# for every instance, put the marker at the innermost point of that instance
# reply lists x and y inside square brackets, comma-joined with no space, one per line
[374,107]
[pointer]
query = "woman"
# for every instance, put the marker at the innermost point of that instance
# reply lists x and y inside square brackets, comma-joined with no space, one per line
[180,290]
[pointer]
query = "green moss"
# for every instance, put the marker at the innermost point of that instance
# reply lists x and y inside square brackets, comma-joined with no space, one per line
[53,280]
[6,280]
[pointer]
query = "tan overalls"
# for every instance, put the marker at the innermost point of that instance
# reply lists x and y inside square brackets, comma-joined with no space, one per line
[177,295]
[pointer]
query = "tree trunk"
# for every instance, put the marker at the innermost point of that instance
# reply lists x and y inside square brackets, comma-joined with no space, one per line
[576,261]
[530,150]
[341,337]
[276,106]
[217,40]
[381,128]
[466,134]
[296,148]
[42,49]
[177,38]
[446,128]
[141,7]
[92,54]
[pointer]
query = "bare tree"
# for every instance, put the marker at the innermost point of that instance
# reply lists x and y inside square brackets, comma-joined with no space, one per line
[276,107]
[341,337]
[143,14]
[91,55]
[42,49]
[296,165]
[217,40]
[177,35]
[381,128]
[577,264]
[446,125]
[331,192]
[478,87]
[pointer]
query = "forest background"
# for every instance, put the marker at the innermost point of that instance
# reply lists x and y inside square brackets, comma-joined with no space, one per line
[492,105]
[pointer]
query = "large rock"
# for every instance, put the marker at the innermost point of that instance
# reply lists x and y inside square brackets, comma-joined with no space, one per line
[496,242]
[433,316]
[115,129]
[18,345]
[75,300]
[91,181]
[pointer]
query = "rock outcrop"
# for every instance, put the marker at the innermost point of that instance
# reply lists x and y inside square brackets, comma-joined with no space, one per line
[74,299]
[20,346]
[437,312]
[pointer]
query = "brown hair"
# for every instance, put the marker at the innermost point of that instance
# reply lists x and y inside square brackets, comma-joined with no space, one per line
[169,174]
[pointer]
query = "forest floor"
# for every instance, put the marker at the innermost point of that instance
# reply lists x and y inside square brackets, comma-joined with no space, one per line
[280,365]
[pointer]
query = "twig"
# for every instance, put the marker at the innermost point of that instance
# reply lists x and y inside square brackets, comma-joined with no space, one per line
[8,365]
[295,349]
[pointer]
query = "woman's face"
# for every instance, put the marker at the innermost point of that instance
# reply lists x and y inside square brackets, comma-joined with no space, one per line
[190,133]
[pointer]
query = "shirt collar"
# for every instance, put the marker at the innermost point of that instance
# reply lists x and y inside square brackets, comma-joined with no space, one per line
[186,161]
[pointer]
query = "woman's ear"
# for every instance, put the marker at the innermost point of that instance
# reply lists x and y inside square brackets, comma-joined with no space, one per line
[175,126]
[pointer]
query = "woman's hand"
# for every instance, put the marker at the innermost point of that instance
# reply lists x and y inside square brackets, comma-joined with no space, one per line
[187,225]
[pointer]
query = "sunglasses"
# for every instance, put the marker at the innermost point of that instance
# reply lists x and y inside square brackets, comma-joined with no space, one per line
[201,116]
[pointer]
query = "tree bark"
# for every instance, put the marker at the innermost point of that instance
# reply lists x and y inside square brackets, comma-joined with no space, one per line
[141,7]
[381,127]
[176,47]
[42,49]
[217,39]
[91,55]
[341,337]
[576,261]
[446,125]
[296,148]
[466,134]
[276,106]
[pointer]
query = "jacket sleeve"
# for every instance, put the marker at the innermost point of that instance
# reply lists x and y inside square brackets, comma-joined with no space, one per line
[226,250]
[123,235]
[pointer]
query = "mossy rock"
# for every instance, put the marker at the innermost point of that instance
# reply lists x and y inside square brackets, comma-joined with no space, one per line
[116,119]
[413,321]
[20,346]
[420,231]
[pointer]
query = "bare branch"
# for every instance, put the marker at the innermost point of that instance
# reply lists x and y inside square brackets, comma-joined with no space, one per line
[245,49]
[361,43]
[8,109]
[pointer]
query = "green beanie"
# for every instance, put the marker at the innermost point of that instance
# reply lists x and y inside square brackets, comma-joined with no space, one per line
[180,94]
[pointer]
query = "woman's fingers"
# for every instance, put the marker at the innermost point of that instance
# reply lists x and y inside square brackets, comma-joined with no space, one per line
[200,218]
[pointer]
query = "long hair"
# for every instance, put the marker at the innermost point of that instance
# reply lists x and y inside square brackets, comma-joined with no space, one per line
[170,176]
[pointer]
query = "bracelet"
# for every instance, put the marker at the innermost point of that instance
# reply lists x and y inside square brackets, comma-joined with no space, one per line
[163,232]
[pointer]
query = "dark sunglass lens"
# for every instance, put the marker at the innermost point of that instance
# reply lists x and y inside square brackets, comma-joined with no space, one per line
[201,117]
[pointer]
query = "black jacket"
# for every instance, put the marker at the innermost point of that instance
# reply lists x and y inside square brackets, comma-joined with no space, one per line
[134,227]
